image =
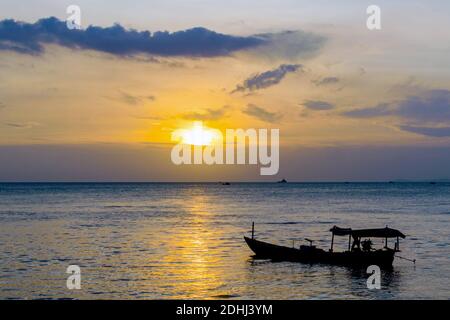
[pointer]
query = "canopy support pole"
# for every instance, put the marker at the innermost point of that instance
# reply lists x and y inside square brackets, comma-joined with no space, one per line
[349,240]
[253,230]
[332,241]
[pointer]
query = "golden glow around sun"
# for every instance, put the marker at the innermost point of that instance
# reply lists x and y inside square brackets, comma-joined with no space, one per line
[198,135]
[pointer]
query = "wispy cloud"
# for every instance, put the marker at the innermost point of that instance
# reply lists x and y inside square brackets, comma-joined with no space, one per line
[135,99]
[208,114]
[318,105]
[380,110]
[289,45]
[29,38]
[23,125]
[325,81]
[268,78]
[262,114]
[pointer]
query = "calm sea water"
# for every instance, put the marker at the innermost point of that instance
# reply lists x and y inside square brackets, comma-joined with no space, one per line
[147,241]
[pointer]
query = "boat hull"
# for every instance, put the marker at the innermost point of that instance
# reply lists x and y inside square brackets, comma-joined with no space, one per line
[264,250]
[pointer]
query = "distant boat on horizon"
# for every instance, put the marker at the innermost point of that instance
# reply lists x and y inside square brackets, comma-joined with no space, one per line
[282,181]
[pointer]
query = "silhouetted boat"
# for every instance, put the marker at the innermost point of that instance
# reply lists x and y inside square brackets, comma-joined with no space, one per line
[354,256]
[282,181]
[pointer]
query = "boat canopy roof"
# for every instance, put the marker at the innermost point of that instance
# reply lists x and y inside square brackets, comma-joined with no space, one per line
[366,233]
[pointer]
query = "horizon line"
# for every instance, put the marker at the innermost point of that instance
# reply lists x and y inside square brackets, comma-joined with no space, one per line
[442,180]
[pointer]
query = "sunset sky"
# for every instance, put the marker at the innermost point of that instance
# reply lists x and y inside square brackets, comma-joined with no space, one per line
[100,104]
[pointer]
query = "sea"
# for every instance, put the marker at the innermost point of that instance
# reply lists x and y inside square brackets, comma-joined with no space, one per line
[185,240]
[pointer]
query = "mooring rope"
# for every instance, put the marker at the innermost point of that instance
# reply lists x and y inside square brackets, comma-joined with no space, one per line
[411,260]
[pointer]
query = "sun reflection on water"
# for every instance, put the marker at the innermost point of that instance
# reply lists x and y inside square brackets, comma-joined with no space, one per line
[193,261]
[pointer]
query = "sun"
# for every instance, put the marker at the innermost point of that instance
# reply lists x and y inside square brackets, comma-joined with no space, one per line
[198,135]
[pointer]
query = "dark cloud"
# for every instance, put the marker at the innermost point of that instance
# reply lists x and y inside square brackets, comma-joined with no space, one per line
[29,38]
[268,78]
[326,81]
[318,105]
[422,114]
[428,131]
[432,106]
[261,114]
[209,114]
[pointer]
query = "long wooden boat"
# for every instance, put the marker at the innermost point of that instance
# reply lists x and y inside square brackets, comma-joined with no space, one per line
[354,256]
